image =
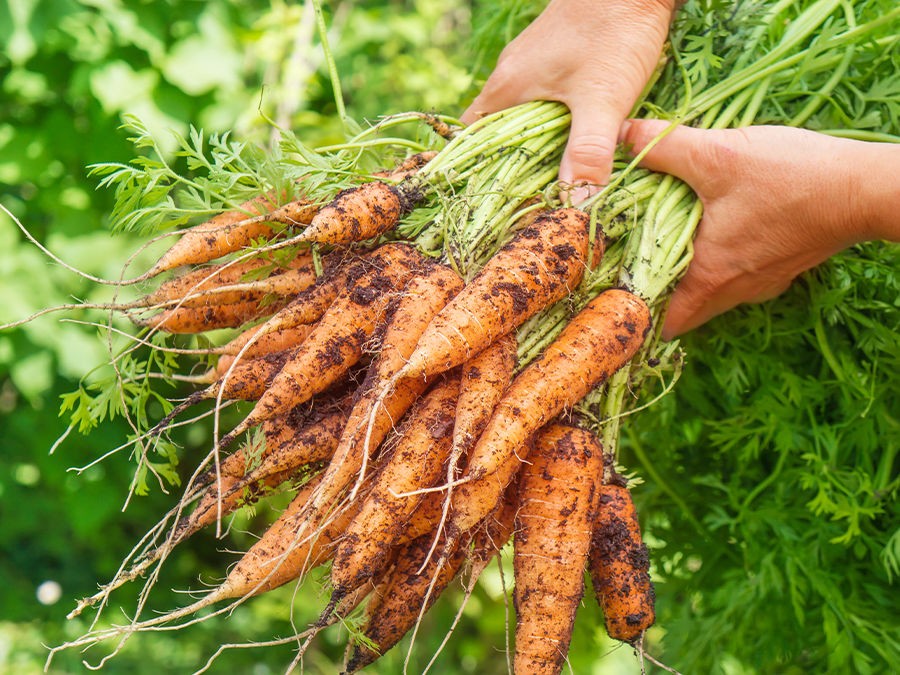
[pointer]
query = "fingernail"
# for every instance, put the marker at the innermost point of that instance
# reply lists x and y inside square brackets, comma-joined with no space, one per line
[623,131]
[580,194]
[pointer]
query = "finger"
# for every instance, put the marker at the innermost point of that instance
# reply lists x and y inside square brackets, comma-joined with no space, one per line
[675,153]
[587,160]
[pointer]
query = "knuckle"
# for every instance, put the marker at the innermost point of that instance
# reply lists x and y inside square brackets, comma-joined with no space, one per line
[590,150]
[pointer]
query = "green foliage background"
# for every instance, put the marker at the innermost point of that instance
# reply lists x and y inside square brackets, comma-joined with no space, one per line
[770,476]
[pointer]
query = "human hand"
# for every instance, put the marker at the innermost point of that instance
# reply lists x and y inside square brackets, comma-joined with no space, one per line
[776,202]
[595,56]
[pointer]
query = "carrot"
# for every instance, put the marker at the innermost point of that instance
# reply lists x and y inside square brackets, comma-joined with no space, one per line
[484,379]
[558,496]
[339,339]
[302,440]
[494,531]
[487,539]
[224,497]
[223,234]
[247,382]
[284,284]
[189,320]
[356,214]
[291,441]
[309,305]
[424,518]
[373,417]
[289,548]
[263,345]
[233,230]
[219,500]
[598,341]
[417,461]
[197,281]
[285,552]
[342,271]
[475,498]
[393,612]
[314,442]
[249,379]
[620,566]
[541,265]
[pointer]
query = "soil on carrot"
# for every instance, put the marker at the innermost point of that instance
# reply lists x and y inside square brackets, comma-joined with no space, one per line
[520,296]
[332,352]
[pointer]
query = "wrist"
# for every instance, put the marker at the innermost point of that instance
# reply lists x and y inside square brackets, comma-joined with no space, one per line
[879,190]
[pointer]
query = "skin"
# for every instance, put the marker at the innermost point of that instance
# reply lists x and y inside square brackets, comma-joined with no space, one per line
[595,56]
[776,202]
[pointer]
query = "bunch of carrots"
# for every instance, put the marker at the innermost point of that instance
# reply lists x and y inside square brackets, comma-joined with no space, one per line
[390,399]
[439,358]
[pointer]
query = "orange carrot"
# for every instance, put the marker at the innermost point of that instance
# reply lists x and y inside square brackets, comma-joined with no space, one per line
[298,438]
[558,496]
[222,498]
[314,442]
[474,499]
[360,213]
[494,531]
[543,264]
[620,566]
[290,547]
[598,341]
[423,519]
[189,320]
[484,380]
[283,284]
[373,207]
[416,462]
[248,381]
[225,233]
[198,281]
[408,167]
[270,343]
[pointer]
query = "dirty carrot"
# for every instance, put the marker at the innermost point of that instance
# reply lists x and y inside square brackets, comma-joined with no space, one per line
[263,345]
[223,234]
[542,264]
[191,320]
[394,611]
[620,565]
[357,214]
[558,492]
[599,340]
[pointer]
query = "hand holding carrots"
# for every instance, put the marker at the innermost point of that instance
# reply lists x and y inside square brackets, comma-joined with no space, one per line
[777,201]
[595,57]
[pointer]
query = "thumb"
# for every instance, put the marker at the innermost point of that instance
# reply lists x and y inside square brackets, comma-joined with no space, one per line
[675,153]
[587,160]
[687,309]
